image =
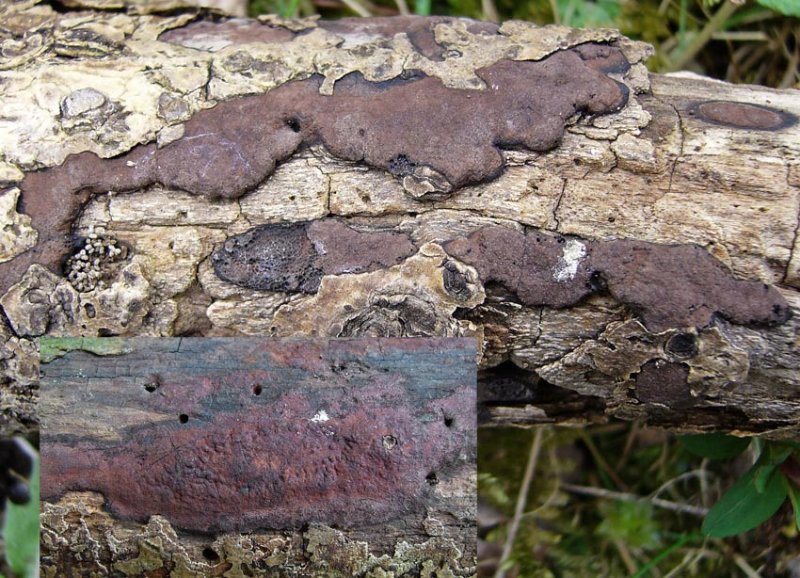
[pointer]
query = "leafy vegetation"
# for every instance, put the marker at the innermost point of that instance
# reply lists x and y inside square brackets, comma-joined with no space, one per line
[622,500]
[758,494]
[751,41]
[20,533]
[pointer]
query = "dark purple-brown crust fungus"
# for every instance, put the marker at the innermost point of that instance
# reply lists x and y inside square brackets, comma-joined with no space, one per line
[742,115]
[404,126]
[666,383]
[668,286]
[295,257]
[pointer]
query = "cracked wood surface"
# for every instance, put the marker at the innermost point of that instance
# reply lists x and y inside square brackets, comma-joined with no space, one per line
[694,183]
[671,219]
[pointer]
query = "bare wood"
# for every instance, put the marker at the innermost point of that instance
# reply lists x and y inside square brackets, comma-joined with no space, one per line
[676,176]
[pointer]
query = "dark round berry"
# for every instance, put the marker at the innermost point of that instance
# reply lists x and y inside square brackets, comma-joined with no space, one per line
[18,493]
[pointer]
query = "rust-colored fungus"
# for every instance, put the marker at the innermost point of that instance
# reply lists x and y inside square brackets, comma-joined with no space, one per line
[243,434]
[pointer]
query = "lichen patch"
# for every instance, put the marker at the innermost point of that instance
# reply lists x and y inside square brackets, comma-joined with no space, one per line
[16,233]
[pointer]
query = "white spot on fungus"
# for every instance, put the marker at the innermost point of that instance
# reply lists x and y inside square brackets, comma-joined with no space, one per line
[574,253]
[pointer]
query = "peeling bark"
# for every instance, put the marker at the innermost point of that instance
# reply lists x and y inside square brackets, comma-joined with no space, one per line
[673,296]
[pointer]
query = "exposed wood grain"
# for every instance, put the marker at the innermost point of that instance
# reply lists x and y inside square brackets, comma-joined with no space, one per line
[678,165]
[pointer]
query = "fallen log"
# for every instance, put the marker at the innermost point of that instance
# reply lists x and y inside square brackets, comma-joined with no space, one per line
[619,244]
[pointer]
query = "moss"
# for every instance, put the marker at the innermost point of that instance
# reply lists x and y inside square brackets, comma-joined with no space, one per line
[51,348]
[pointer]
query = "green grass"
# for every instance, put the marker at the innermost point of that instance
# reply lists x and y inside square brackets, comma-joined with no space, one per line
[622,500]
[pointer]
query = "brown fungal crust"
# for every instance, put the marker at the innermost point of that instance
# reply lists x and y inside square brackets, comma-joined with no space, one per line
[234,31]
[743,115]
[251,434]
[664,383]
[433,137]
[295,257]
[665,285]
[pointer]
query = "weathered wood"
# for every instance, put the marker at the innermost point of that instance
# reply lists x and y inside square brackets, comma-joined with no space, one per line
[375,437]
[666,169]
[676,166]
[621,312]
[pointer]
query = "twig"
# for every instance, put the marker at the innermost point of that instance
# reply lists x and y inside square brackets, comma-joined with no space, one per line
[402,7]
[522,500]
[658,502]
[699,474]
[741,36]
[716,23]
[357,7]
[489,11]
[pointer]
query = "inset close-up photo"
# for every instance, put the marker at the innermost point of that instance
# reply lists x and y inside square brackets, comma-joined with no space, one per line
[275,451]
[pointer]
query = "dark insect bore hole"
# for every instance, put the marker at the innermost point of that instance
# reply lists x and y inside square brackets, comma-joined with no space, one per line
[597,282]
[210,555]
[183,418]
[448,421]
[432,478]
[293,124]
[152,384]
[257,389]
[683,345]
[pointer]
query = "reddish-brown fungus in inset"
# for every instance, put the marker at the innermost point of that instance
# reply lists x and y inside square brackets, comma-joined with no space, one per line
[343,432]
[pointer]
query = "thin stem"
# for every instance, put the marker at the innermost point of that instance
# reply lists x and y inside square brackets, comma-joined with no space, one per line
[490,11]
[662,555]
[600,460]
[357,7]
[402,7]
[625,555]
[624,497]
[698,42]
[522,500]
[556,14]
